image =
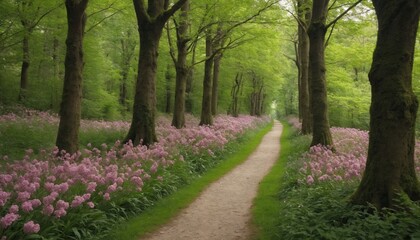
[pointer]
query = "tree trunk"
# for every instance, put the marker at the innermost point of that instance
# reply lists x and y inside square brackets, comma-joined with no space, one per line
[56,76]
[142,129]
[25,64]
[150,25]
[234,109]
[206,116]
[390,167]
[168,90]
[127,53]
[68,129]
[317,31]
[189,87]
[215,88]
[303,52]
[178,119]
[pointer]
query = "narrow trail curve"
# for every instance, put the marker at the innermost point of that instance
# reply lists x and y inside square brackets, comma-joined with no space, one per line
[223,210]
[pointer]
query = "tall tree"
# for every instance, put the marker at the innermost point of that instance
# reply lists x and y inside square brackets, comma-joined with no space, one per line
[390,167]
[217,43]
[150,25]
[30,16]
[178,119]
[304,19]
[318,87]
[127,53]
[206,116]
[237,87]
[68,129]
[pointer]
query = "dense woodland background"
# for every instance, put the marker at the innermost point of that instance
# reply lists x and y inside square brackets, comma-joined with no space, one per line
[264,50]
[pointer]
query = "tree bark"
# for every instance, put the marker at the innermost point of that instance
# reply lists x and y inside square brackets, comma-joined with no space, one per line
[390,167]
[217,43]
[317,30]
[25,61]
[56,75]
[142,129]
[178,119]
[304,15]
[189,87]
[215,88]
[70,111]
[168,90]
[206,116]
[150,25]
[237,84]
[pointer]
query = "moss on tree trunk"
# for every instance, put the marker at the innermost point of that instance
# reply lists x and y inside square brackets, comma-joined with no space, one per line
[390,164]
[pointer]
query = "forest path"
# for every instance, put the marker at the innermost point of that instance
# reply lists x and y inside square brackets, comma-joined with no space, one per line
[223,210]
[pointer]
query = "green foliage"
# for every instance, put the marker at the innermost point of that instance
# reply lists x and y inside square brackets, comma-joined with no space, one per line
[16,137]
[322,211]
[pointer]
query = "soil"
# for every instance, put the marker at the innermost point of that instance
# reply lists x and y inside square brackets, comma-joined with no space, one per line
[223,210]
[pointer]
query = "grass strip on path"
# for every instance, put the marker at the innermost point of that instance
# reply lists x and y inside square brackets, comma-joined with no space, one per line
[167,208]
[266,207]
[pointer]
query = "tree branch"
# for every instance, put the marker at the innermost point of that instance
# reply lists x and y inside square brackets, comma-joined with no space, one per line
[329,36]
[103,19]
[171,45]
[44,15]
[303,25]
[171,11]
[269,4]
[342,14]
[141,12]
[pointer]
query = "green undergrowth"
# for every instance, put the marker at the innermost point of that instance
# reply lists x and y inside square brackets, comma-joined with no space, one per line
[16,137]
[287,209]
[267,203]
[185,187]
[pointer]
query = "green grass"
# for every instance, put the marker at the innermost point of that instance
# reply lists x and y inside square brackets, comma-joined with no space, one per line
[170,206]
[16,137]
[267,204]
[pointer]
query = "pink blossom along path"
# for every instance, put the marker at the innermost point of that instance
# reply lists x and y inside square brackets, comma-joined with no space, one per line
[223,210]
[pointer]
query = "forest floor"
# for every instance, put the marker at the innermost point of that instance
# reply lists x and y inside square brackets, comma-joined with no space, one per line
[223,210]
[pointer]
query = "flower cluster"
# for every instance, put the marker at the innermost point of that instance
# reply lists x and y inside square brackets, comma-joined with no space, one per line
[51,183]
[346,163]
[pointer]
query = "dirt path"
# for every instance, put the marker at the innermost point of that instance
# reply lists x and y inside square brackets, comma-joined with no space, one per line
[222,211]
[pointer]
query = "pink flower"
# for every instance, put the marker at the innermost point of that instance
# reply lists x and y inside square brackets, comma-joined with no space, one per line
[4,197]
[91,187]
[35,203]
[31,227]
[112,188]
[14,209]
[107,197]
[23,196]
[60,213]
[154,167]
[27,206]
[309,180]
[62,204]
[137,181]
[8,219]
[91,204]
[77,201]
[86,196]
[48,210]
